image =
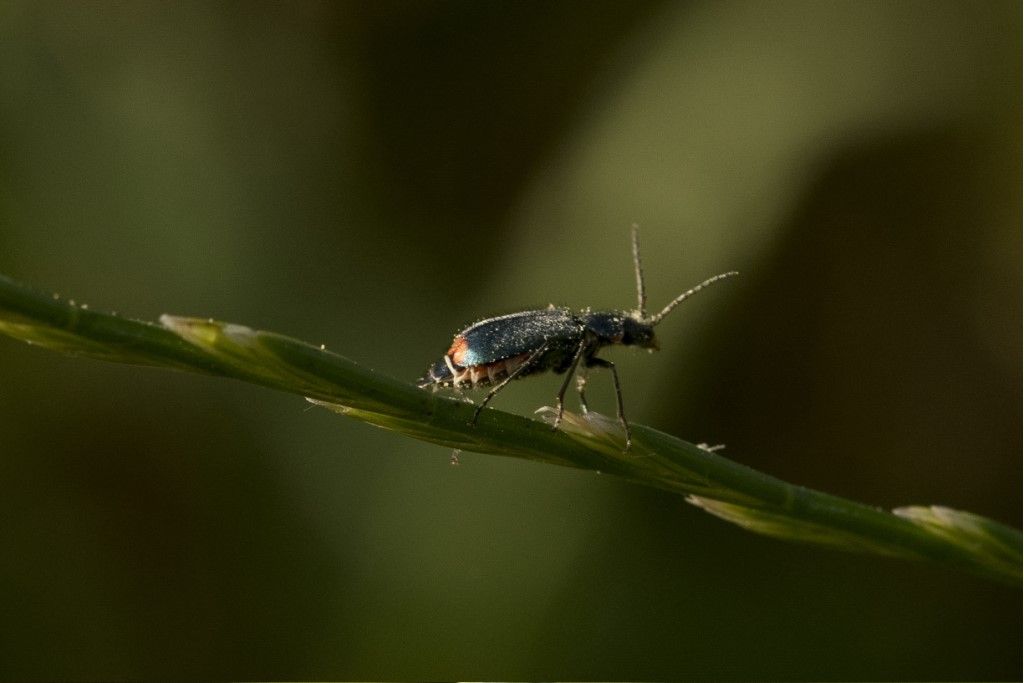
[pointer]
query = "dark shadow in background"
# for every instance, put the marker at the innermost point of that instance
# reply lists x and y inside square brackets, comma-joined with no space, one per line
[882,334]
[492,88]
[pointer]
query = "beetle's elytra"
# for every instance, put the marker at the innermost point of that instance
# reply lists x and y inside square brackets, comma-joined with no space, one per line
[495,351]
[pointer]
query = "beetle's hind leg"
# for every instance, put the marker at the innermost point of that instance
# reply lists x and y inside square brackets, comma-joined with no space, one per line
[602,363]
[512,375]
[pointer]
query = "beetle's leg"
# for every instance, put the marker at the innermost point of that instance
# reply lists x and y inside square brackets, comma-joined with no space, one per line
[456,385]
[602,363]
[515,373]
[568,377]
[581,384]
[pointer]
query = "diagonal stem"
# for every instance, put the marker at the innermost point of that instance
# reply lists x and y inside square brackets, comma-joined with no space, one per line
[751,499]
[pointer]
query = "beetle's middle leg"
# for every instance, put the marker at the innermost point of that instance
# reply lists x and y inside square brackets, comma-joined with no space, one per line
[511,376]
[568,378]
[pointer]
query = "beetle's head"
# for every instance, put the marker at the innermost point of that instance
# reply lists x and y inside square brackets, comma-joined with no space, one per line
[638,332]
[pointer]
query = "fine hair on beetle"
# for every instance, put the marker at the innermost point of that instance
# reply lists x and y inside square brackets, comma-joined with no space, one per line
[495,351]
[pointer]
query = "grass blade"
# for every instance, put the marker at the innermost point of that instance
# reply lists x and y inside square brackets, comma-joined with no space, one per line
[727,489]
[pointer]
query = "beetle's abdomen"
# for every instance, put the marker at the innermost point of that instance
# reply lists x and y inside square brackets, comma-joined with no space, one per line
[489,351]
[449,372]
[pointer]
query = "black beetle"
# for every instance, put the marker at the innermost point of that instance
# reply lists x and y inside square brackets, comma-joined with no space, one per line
[497,350]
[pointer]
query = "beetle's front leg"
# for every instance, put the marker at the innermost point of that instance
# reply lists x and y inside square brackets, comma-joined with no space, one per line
[560,408]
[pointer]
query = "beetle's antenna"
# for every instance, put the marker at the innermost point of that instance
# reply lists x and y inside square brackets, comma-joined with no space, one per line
[641,293]
[655,319]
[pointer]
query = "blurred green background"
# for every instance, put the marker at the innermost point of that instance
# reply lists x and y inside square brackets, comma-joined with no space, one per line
[374,176]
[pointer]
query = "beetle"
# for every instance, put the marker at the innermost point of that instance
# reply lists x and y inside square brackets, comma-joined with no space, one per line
[495,351]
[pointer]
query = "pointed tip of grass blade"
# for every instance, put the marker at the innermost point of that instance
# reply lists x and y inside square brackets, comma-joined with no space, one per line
[235,346]
[771,522]
[280,362]
[205,333]
[963,527]
[590,428]
[998,545]
[338,408]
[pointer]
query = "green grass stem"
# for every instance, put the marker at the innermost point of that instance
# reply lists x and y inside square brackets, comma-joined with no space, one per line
[727,489]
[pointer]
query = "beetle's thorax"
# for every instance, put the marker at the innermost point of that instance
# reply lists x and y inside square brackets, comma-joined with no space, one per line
[628,328]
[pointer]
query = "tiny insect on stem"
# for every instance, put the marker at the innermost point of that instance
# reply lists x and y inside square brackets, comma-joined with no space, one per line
[495,351]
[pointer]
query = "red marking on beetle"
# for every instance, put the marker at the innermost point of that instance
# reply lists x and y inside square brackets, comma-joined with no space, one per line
[458,350]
